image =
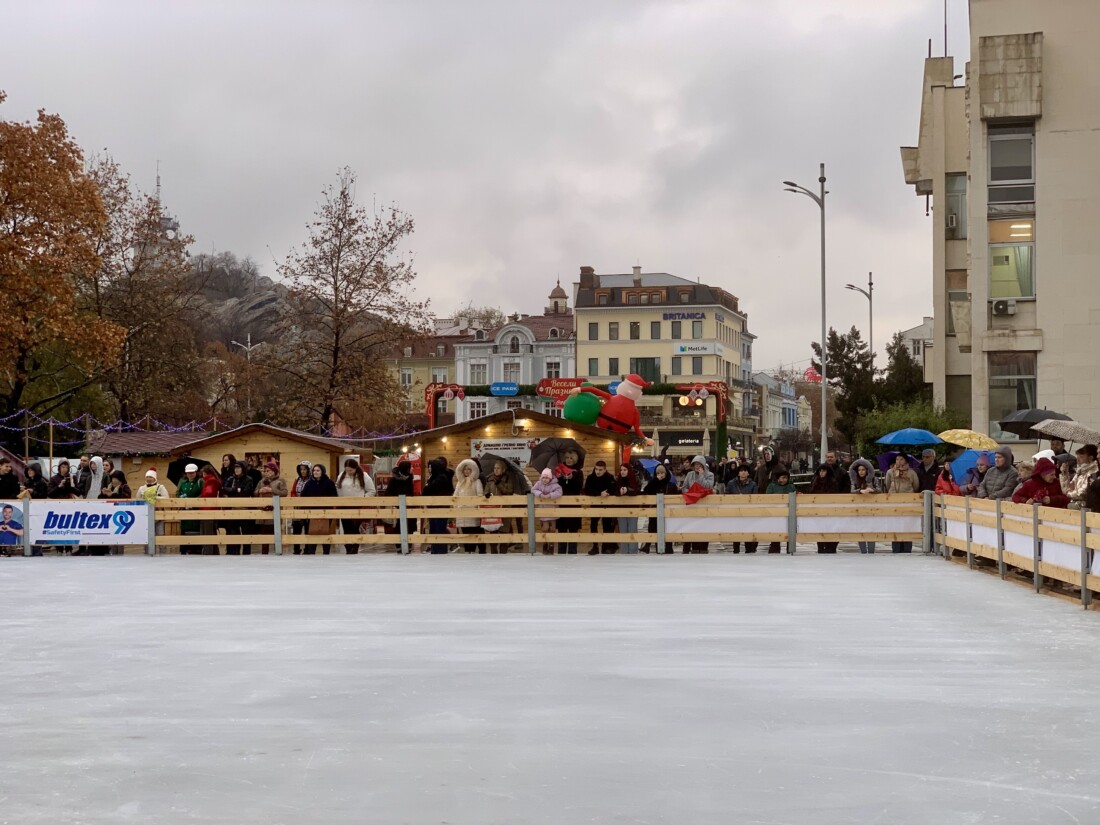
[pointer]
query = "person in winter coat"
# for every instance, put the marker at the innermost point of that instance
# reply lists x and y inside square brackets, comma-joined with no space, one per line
[781,484]
[901,479]
[945,484]
[353,482]
[1000,479]
[571,479]
[627,485]
[843,485]
[34,485]
[238,486]
[699,474]
[150,491]
[82,478]
[1024,469]
[229,461]
[928,471]
[861,477]
[61,485]
[190,486]
[824,483]
[742,484]
[546,490]
[601,484]
[401,484]
[468,485]
[211,488]
[270,486]
[767,467]
[440,483]
[660,483]
[9,482]
[319,486]
[1043,487]
[1087,466]
[499,483]
[117,488]
[974,477]
[300,526]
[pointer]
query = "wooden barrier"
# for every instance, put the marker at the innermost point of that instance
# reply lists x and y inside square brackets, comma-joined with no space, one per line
[1049,544]
[399,523]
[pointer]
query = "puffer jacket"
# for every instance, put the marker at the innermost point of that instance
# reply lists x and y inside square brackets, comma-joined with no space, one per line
[854,479]
[468,487]
[704,479]
[906,482]
[1079,484]
[1035,489]
[1000,482]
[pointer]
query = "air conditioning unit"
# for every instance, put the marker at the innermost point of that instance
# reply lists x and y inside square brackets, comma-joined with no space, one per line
[1004,306]
[952,220]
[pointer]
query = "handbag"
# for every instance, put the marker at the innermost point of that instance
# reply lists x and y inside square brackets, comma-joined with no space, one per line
[320,527]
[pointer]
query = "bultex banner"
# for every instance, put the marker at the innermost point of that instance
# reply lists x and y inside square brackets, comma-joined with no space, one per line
[89,522]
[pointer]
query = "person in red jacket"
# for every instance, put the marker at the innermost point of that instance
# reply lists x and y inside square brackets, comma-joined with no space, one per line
[1043,487]
[211,488]
[945,484]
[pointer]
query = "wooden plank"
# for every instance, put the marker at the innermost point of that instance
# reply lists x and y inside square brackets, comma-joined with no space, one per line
[856,511]
[1016,560]
[1092,520]
[859,536]
[701,511]
[1092,541]
[954,542]
[1060,534]
[981,504]
[856,498]
[722,537]
[208,515]
[983,550]
[1059,515]
[1066,575]
[1092,582]
[1020,528]
[982,520]
[1011,508]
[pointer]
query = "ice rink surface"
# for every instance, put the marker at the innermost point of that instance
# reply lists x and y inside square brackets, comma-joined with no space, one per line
[476,689]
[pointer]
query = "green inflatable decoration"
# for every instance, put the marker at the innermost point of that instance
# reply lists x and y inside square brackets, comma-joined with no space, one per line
[582,408]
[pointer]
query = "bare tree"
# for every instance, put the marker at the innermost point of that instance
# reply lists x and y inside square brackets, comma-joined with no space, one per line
[351,295]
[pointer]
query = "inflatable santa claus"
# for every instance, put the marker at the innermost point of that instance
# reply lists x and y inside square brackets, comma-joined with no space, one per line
[619,412]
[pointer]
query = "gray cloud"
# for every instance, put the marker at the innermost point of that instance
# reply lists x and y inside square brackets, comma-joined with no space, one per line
[526,139]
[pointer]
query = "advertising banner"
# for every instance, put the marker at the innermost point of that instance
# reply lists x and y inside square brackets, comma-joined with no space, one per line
[516,450]
[89,522]
[11,527]
[557,388]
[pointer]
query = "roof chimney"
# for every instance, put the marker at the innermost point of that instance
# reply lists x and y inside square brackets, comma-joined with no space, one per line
[588,277]
[637,276]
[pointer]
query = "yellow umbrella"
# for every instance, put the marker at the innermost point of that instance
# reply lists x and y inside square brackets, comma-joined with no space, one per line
[969,439]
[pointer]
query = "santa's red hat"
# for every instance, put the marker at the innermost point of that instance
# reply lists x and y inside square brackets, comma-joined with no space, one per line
[637,380]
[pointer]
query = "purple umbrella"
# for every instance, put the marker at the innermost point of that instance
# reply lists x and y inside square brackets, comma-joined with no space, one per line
[886,461]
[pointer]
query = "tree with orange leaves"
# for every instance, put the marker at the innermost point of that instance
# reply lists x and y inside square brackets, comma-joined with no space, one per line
[50,215]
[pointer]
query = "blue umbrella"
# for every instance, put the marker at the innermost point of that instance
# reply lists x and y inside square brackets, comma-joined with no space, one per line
[967,460]
[910,437]
[650,464]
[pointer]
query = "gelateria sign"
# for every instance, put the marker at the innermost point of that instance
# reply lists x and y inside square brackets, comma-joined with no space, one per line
[89,522]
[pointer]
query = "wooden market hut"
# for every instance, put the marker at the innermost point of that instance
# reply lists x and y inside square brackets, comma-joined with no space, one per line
[514,429]
[134,453]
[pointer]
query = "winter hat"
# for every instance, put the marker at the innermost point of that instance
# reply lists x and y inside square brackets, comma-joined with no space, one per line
[191,468]
[151,473]
[271,465]
[547,475]
[1043,465]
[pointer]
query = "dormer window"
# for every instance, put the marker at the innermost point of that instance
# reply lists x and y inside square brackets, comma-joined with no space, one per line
[408,352]
[513,344]
[479,335]
[554,332]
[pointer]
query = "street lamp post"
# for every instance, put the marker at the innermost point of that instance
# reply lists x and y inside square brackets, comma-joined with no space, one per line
[819,199]
[869,294]
[248,353]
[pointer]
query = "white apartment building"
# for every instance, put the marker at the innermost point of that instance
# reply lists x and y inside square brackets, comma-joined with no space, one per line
[1011,162]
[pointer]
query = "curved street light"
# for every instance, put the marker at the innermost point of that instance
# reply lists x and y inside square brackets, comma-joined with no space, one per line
[819,199]
[869,294]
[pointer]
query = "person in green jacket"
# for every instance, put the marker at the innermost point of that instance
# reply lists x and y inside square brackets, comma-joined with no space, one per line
[780,484]
[190,486]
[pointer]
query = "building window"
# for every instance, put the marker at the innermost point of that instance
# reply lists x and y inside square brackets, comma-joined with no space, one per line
[553,369]
[685,297]
[406,378]
[513,405]
[655,330]
[1011,388]
[479,374]
[677,326]
[593,366]
[677,369]
[593,331]
[553,332]
[635,330]
[613,331]
[1011,164]
[513,344]
[511,372]
[602,298]
[479,335]
[645,297]
[696,329]
[1012,258]
[550,408]
[647,368]
[956,207]
[956,295]
[439,375]
[479,409]
[697,365]
[612,366]
[633,298]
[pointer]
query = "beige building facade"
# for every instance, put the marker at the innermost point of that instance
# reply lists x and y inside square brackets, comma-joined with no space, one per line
[1011,162]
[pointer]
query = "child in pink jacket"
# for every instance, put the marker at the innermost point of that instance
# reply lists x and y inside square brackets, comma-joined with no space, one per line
[545,490]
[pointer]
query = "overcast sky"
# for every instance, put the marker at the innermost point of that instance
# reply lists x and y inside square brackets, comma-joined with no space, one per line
[526,138]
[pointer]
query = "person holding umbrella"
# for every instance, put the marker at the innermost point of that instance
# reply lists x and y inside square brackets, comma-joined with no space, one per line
[500,483]
[571,478]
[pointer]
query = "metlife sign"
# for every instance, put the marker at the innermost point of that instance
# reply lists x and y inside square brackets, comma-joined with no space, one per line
[701,348]
[89,522]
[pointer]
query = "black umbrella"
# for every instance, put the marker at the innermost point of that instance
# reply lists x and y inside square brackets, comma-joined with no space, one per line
[175,468]
[1021,422]
[550,452]
[519,481]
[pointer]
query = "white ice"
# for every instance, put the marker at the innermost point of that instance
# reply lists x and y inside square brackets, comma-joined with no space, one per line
[479,689]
